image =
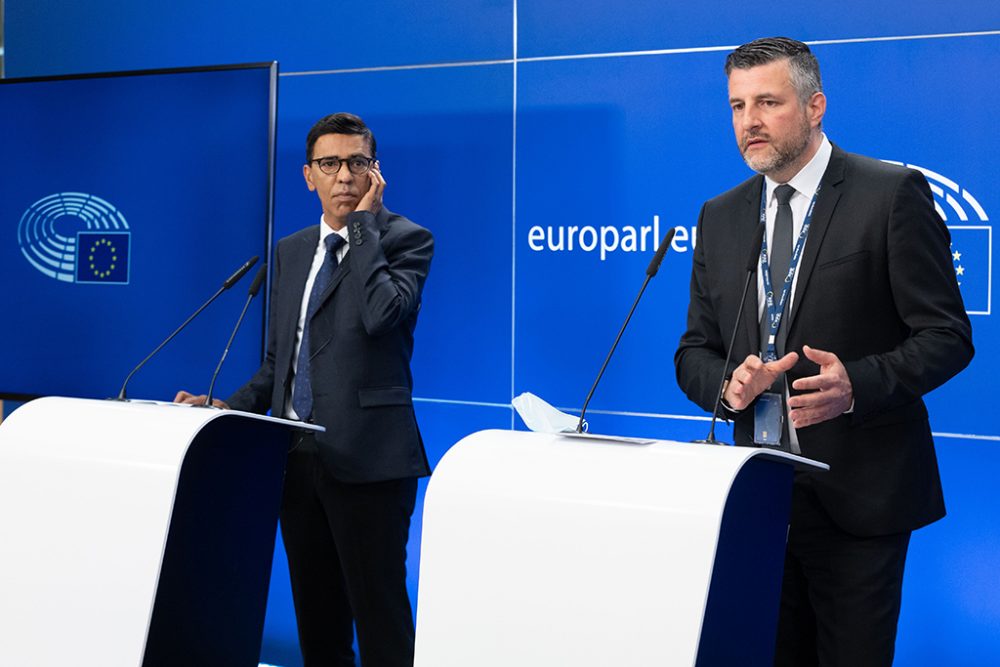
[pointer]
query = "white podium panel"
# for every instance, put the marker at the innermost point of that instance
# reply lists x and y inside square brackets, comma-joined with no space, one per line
[541,550]
[128,525]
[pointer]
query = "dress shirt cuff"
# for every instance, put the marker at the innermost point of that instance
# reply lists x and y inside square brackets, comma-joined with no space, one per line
[725,404]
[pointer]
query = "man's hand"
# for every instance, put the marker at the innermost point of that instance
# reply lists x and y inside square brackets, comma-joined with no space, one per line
[372,200]
[831,392]
[190,399]
[753,377]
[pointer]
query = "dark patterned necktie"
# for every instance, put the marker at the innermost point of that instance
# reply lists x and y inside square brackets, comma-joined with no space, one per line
[302,398]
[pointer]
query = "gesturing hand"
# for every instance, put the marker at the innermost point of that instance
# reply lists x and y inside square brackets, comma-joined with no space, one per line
[753,377]
[830,393]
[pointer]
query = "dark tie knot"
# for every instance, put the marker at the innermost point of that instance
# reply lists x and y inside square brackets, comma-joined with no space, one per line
[784,193]
[333,242]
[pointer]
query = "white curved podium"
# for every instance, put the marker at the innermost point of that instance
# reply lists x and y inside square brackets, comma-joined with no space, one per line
[136,533]
[541,550]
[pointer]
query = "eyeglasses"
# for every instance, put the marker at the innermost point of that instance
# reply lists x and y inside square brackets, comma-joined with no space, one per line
[356,164]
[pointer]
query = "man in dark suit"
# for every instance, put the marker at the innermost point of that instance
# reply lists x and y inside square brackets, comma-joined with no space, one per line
[347,291]
[871,319]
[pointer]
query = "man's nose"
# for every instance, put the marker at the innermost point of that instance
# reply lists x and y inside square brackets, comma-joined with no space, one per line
[749,119]
[344,174]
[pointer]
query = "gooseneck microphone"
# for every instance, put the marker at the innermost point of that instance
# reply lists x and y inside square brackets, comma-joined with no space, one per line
[232,280]
[654,266]
[258,280]
[752,259]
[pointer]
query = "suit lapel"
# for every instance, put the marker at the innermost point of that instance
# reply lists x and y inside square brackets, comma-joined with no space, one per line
[826,203]
[382,224]
[342,271]
[749,220]
[338,276]
[299,262]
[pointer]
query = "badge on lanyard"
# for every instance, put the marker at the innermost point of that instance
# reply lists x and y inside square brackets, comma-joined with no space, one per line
[768,416]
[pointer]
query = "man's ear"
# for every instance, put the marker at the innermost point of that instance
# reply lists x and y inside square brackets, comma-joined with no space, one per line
[307,174]
[817,109]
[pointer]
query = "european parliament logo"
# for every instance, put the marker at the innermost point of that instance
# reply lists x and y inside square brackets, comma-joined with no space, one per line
[971,239]
[77,238]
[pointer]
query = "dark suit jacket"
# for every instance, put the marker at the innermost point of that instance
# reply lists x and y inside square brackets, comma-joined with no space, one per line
[362,341]
[876,287]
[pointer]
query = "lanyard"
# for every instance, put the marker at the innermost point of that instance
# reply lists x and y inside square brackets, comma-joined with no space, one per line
[775,312]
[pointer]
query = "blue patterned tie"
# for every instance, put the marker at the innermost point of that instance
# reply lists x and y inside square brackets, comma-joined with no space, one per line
[302,399]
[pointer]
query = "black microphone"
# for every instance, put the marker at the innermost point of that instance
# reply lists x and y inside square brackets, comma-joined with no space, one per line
[752,260]
[654,266]
[239,273]
[258,280]
[232,280]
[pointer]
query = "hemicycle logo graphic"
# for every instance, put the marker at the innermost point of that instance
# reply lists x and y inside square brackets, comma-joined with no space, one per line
[76,238]
[971,239]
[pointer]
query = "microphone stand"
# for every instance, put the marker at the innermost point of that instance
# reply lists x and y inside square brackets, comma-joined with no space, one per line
[254,288]
[232,280]
[651,270]
[710,440]
[751,271]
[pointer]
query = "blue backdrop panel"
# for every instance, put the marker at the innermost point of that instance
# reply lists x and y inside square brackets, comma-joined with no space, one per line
[951,611]
[166,179]
[934,112]
[616,148]
[444,143]
[621,145]
[562,27]
[659,142]
[58,37]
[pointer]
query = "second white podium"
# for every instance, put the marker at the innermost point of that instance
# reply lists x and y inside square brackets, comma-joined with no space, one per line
[542,550]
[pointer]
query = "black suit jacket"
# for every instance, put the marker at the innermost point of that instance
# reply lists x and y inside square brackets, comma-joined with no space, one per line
[362,341]
[876,287]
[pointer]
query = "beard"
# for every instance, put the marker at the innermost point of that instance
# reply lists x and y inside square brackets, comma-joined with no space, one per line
[782,152]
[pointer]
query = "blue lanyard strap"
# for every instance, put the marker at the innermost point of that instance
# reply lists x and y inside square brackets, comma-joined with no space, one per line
[775,312]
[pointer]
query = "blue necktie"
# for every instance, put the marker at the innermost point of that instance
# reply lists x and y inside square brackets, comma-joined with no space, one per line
[302,399]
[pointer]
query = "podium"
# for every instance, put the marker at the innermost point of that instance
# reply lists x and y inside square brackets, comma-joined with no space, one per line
[544,549]
[136,534]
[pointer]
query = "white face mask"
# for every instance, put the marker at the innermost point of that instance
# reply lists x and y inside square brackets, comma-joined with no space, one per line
[541,417]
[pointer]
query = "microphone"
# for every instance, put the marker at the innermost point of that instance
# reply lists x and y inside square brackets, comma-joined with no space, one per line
[654,266]
[258,280]
[751,268]
[232,280]
[239,273]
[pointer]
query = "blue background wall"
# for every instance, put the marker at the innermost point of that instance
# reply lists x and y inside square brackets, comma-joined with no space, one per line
[494,117]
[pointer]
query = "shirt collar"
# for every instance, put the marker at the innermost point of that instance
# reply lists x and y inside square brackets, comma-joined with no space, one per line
[807,180]
[325,230]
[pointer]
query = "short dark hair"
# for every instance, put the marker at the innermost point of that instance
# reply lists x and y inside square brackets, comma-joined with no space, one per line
[338,123]
[802,64]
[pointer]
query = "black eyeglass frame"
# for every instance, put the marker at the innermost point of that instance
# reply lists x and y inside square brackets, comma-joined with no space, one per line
[368,162]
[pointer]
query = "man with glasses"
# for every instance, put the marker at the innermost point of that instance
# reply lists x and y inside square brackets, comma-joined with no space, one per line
[344,305]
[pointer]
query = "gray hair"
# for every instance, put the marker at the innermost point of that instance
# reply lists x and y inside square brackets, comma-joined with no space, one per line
[803,67]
